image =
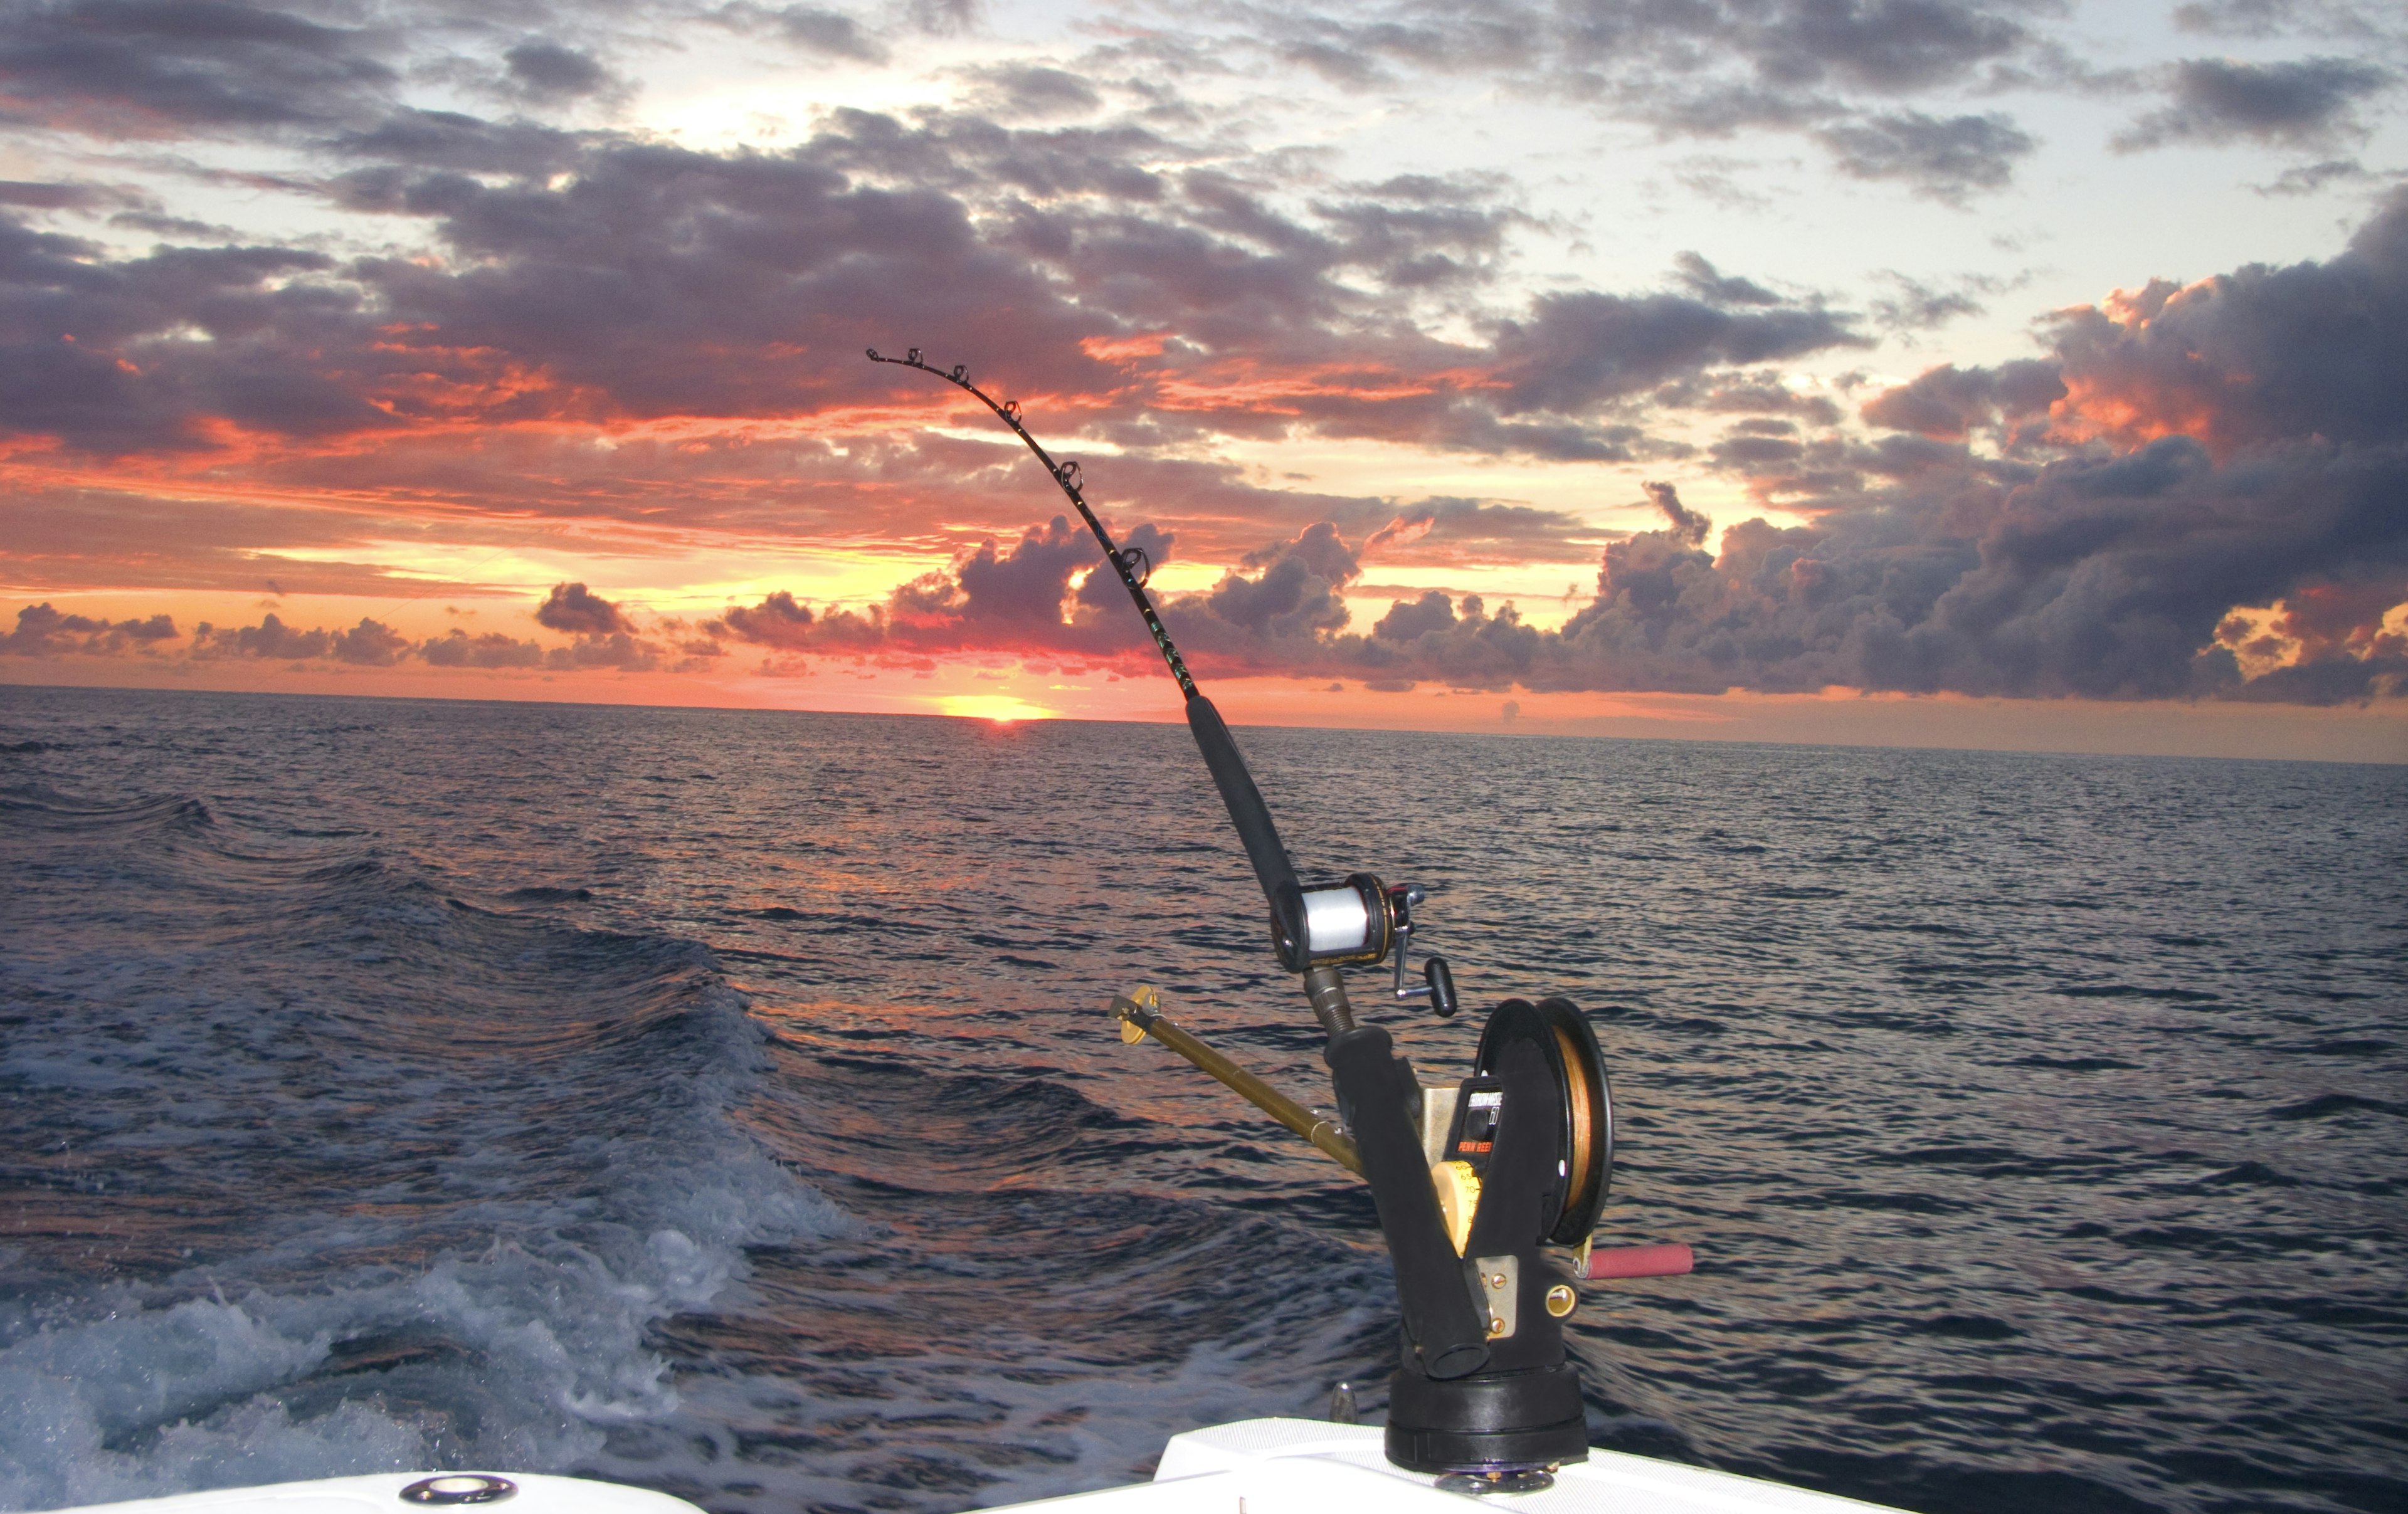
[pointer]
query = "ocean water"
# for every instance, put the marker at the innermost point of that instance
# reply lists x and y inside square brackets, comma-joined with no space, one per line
[726,1101]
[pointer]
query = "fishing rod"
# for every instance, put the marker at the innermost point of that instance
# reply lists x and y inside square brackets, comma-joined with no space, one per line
[1471,1179]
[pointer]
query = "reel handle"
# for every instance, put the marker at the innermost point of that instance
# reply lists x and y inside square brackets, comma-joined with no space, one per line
[1438,981]
[1441,988]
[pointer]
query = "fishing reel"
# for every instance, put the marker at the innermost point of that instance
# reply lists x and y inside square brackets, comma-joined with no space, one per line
[1470,1113]
[1488,1189]
[1358,923]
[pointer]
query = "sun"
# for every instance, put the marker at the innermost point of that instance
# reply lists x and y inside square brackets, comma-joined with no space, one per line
[1004,710]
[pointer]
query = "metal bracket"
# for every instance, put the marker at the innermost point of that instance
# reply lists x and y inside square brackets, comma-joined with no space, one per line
[1438,1117]
[1501,1291]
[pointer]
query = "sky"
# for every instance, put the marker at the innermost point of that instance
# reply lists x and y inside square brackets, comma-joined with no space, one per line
[1991,373]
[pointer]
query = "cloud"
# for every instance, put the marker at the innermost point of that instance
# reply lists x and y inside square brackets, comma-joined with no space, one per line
[1469,531]
[1949,402]
[2258,355]
[42,631]
[1774,46]
[583,277]
[811,28]
[156,69]
[579,610]
[2312,179]
[369,644]
[776,621]
[57,196]
[122,356]
[1683,525]
[547,323]
[1702,280]
[1027,585]
[457,649]
[1920,306]
[113,529]
[619,649]
[2308,101]
[548,70]
[2180,454]
[1576,350]
[1945,159]
[270,638]
[1035,92]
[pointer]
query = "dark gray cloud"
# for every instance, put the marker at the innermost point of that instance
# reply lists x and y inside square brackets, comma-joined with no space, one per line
[1035,92]
[42,631]
[834,34]
[776,621]
[620,650]
[2313,178]
[1715,67]
[1951,403]
[2353,21]
[2242,442]
[369,644]
[577,609]
[270,638]
[491,649]
[1772,46]
[401,140]
[1577,349]
[1762,394]
[2099,578]
[2305,103]
[1701,278]
[588,275]
[549,70]
[99,353]
[1941,158]
[635,282]
[1471,530]
[57,196]
[2261,354]
[1916,305]
[152,68]
[1681,524]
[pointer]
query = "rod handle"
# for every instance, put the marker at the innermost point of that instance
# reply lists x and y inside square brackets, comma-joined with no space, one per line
[1255,832]
[1667,1260]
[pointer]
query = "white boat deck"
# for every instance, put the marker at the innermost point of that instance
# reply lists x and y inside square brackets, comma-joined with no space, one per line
[1252,1467]
[1292,1467]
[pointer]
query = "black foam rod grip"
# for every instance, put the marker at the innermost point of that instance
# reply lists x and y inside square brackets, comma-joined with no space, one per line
[1448,1333]
[1251,816]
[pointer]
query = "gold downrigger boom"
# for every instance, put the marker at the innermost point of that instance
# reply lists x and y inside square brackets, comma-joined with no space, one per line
[1139,1011]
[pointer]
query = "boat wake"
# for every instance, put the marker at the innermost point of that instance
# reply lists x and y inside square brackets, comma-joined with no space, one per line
[499,1151]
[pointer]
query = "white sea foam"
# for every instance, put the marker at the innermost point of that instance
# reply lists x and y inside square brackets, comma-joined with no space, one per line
[479,1238]
[522,1356]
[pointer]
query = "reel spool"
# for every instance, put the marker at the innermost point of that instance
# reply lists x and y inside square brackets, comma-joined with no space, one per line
[1584,1152]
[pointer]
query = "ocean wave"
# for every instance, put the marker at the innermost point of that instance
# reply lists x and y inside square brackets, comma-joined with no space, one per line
[499,1150]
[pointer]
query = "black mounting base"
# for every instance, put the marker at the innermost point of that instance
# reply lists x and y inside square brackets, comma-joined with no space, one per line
[1488,1423]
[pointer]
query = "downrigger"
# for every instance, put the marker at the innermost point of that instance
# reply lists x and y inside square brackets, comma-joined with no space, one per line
[1487,1188]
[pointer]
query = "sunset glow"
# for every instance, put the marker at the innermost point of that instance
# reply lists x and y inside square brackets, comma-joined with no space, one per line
[2026,357]
[1001,708]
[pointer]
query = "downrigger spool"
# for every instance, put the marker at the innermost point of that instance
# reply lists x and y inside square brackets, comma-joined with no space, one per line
[1488,1187]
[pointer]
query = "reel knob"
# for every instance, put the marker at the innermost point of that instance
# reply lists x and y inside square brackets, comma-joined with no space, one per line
[1441,988]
